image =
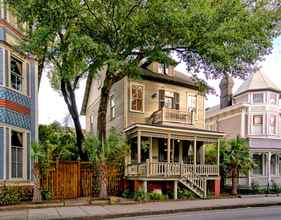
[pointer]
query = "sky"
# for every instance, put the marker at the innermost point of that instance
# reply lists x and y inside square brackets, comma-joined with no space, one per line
[53,108]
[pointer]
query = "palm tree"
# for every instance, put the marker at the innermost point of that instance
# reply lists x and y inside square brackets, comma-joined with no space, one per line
[236,160]
[37,156]
[112,151]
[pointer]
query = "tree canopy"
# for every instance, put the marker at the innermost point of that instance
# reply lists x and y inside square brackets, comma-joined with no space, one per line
[215,37]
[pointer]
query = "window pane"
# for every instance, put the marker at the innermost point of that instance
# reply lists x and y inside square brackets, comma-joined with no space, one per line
[16,73]
[137,98]
[258,98]
[273,98]
[258,162]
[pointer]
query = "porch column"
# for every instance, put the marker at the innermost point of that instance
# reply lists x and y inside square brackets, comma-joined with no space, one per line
[195,153]
[145,186]
[180,151]
[269,167]
[150,150]
[175,190]
[169,149]
[203,153]
[139,147]
[218,157]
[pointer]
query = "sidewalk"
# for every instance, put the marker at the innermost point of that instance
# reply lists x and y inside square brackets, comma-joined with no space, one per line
[112,211]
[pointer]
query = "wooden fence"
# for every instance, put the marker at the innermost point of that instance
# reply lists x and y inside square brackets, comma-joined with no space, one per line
[73,179]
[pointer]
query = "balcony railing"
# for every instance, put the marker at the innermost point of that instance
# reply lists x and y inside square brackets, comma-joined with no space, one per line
[171,115]
[164,169]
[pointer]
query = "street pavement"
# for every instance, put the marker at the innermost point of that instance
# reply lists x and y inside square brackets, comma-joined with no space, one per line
[94,212]
[263,213]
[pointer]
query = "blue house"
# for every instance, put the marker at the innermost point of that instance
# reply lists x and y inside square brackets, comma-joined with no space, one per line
[18,103]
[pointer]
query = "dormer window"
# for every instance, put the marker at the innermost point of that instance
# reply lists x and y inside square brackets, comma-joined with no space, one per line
[258,98]
[163,69]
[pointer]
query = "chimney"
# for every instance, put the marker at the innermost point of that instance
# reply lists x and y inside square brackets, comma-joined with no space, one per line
[226,86]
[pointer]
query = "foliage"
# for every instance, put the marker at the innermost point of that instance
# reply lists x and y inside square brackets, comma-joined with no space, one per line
[10,196]
[140,195]
[275,188]
[46,195]
[58,142]
[113,150]
[236,159]
[256,187]
[185,194]
[80,37]
[211,154]
[154,196]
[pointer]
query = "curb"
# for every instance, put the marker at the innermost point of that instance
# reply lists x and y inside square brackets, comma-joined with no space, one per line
[168,211]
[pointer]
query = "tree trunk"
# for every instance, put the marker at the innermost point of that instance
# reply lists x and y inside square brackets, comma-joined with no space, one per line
[70,100]
[102,111]
[37,196]
[235,183]
[103,180]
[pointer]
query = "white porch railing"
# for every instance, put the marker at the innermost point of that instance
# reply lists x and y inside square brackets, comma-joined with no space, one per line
[164,169]
[171,115]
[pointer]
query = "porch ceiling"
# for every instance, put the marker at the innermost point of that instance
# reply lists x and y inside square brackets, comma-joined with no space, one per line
[159,131]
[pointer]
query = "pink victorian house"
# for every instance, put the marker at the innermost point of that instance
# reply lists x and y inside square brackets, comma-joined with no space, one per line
[252,112]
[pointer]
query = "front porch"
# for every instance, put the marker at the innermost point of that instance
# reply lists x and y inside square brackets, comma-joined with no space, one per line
[162,153]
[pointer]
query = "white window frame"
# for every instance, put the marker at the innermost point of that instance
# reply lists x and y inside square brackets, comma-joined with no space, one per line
[262,124]
[276,98]
[269,124]
[258,93]
[23,90]
[131,96]
[24,154]
[195,116]
[262,164]
[112,107]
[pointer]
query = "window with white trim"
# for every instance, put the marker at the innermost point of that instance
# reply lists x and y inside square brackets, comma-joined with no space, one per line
[257,124]
[17,154]
[258,160]
[137,97]
[192,103]
[258,98]
[16,74]
[112,108]
[272,124]
[273,99]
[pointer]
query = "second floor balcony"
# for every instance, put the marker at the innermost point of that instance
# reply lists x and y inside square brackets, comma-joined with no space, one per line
[166,115]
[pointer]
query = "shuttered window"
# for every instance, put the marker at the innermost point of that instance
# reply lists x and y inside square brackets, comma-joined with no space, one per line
[169,99]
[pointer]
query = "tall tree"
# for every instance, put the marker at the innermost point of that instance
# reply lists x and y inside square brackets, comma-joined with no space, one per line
[212,36]
[236,160]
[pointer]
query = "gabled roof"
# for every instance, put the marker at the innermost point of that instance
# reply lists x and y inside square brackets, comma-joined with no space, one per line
[179,79]
[256,82]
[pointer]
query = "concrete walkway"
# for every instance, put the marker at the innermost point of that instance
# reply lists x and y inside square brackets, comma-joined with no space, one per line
[112,211]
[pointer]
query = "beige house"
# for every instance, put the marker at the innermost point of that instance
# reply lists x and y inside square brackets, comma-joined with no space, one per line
[163,116]
[252,112]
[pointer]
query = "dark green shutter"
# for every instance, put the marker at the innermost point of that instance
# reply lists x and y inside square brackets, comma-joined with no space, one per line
[161,98]
[177,101]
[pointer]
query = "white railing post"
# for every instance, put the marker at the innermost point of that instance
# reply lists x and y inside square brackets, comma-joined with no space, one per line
[147,168]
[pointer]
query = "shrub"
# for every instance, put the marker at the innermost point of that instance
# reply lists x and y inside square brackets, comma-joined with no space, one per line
[128,194]
[255,187]
[46,195]
[185,194]
[140,195]
[156,196]
[275,188]
[10,196]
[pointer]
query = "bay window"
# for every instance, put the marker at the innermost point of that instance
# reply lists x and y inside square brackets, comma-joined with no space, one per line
[273,99]
[258,98]
[258,124]
[272,124]
[258,160]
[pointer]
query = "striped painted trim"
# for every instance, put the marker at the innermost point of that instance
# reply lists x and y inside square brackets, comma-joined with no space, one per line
[14,106]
